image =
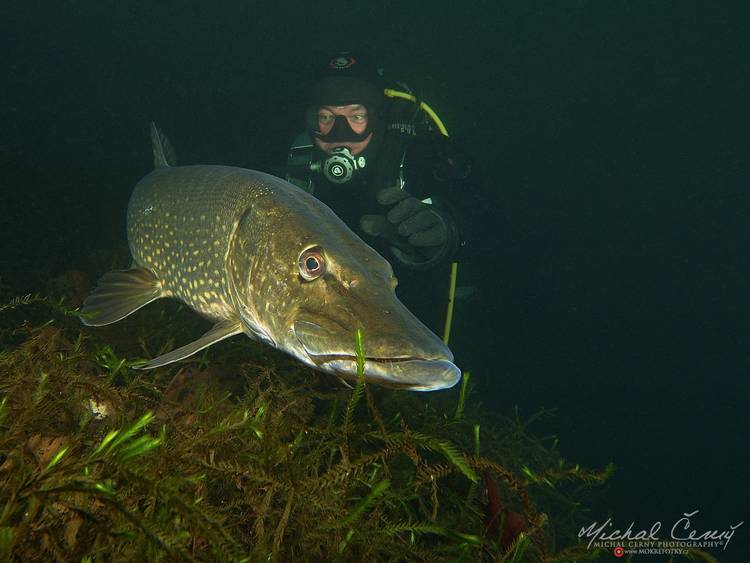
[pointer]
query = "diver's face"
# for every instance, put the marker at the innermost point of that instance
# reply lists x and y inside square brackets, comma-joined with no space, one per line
[356,117]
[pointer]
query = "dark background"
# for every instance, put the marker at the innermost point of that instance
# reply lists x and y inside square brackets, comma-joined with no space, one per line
[612,138]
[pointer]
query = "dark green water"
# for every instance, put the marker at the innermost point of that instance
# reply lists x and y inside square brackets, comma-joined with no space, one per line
[612,138]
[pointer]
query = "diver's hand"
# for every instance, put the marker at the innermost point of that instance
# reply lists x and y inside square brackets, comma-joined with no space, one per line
[417,222]
[418,232]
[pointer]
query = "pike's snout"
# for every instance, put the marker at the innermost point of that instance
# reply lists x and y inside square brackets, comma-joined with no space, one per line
[416,360]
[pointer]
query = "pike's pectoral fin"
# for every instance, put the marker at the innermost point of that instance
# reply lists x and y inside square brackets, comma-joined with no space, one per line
[220,331]
[118,294]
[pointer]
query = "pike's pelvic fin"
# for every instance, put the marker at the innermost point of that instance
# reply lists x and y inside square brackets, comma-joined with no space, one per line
[220,331]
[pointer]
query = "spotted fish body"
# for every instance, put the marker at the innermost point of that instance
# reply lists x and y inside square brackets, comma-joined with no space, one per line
[180,226]
[258,256]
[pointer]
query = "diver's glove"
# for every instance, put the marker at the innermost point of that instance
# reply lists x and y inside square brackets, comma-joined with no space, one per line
[420,234]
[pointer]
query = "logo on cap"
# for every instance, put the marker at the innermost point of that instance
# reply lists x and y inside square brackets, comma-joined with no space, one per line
[341,63]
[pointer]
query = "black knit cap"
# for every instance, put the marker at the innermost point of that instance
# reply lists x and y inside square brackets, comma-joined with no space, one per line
[348,78]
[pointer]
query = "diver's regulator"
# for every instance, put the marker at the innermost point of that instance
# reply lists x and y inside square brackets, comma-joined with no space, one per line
[339,165]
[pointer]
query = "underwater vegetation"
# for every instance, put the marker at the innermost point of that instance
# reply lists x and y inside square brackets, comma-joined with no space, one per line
[241,454]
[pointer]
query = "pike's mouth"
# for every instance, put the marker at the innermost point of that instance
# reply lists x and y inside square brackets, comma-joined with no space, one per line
[326,358]
[331,351]
[412,374]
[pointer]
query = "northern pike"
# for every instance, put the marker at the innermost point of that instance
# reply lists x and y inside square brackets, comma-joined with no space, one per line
[259,256]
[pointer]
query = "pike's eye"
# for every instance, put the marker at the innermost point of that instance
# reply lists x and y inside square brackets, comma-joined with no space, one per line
[311,263]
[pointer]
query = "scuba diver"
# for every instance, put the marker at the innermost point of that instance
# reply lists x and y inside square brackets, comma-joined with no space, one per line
[382,160]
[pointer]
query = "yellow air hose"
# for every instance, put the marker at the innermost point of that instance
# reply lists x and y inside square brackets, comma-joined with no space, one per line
[423,106]
[389,92]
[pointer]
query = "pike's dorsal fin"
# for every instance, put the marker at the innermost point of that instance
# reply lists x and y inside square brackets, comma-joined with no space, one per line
[164,153]
[118,294]
[220,331]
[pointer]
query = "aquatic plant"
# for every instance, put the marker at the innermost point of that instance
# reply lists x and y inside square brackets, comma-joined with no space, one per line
[241,454]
